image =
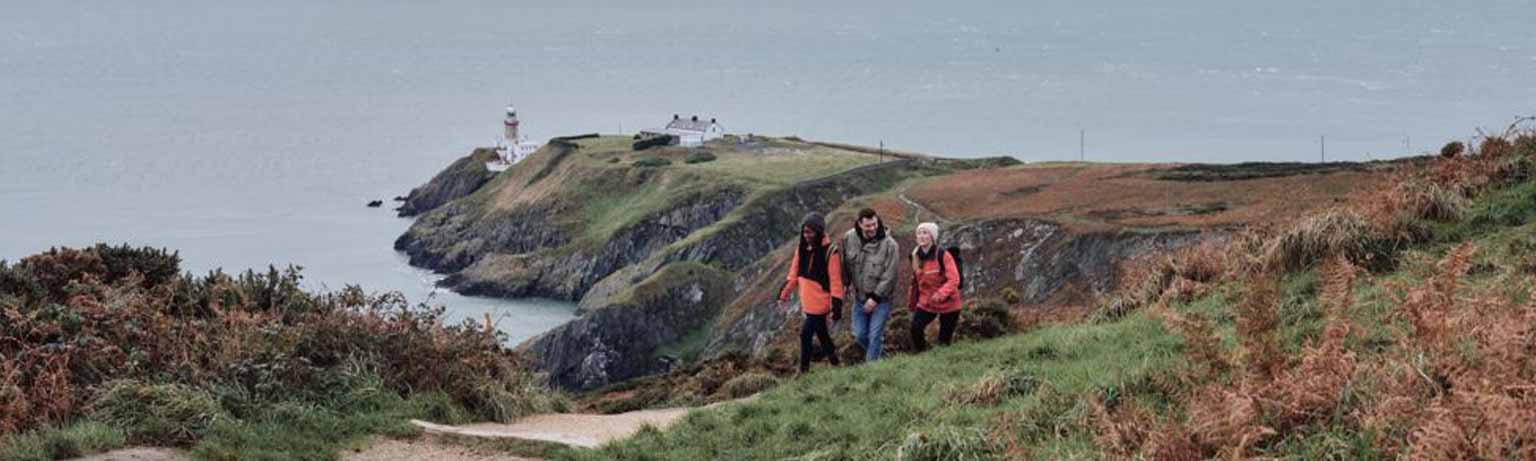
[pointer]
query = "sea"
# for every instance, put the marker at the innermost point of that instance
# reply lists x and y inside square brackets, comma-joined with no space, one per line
[249,134]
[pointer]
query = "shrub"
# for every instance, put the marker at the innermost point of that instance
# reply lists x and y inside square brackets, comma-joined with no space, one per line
[161,356]
[748,383]
[1333,232]
[700,157]
[988,318]
[1011,296]
[158,414]
[512,393]
[1203,262]
[157,266]
[1495,146]
[652,162]
[1452,149]
[1525,145]
[1431,201]
[1142,282]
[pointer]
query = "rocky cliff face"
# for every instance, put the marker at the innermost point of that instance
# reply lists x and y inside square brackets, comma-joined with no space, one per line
[1040,259]
[460,179]
[522,253]
[622,340]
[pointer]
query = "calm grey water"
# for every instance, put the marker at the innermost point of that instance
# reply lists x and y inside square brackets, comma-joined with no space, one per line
[251,133]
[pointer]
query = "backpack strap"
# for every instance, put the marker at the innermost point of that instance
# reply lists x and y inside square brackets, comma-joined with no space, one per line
[942,253]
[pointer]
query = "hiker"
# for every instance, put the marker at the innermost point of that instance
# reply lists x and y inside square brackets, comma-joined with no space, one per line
[871,258]
[817,270]
[935,290]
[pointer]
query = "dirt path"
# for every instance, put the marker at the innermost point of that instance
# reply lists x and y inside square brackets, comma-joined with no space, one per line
[574,429]
[919,208]
[138,454]
[424,448]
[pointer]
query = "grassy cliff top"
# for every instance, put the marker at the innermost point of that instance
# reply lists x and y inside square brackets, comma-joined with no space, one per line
[600,184]
[763,160]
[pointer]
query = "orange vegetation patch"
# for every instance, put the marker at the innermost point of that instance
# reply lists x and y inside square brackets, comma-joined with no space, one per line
[1100,196]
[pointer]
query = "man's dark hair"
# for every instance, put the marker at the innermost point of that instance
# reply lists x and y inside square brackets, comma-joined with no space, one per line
[867,213]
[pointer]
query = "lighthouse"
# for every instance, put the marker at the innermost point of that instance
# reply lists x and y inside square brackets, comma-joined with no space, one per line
[511,137]
[512,147]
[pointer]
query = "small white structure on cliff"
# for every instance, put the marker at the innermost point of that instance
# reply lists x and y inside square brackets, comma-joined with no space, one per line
[513,147]
[692,131]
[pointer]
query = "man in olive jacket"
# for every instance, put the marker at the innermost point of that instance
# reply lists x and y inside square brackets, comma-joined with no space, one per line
[870,258]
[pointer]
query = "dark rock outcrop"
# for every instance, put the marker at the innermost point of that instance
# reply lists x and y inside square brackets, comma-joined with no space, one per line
[622,340]
[455,236]
[460,179]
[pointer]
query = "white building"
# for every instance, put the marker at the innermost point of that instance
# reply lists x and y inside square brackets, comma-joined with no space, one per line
[692,131]
[512,146]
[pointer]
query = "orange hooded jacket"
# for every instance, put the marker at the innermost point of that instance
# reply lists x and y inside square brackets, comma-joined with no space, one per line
[814,298]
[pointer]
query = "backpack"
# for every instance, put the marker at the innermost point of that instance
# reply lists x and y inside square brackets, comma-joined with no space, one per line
[954,252]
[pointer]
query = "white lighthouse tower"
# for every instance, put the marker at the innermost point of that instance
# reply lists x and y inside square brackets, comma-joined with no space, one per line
[511,136]
[512,146]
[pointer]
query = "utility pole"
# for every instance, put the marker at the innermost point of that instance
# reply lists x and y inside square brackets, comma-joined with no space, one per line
[1407,146]
[1322,148]
[1082,142]
[882,151]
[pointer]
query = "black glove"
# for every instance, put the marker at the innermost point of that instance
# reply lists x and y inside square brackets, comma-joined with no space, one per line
[837,309]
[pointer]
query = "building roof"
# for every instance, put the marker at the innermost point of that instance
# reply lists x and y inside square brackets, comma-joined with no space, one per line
[689,124]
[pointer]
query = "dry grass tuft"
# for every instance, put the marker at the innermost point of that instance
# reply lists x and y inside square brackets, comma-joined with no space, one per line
[993,387]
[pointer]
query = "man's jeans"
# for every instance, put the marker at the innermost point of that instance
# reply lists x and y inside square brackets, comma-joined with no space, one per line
[869,328]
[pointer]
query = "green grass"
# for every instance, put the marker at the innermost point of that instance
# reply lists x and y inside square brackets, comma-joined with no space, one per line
[605,143]
[616,196]
[687,349]
[299,430]
[783,169]
[871,411]
[608,213]
[290,430]
[78,439]
[1507,207]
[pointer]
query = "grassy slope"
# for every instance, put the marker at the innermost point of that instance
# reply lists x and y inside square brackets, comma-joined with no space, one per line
[871,412]
[864,412]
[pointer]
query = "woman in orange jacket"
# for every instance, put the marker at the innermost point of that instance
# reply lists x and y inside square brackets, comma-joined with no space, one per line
[816,270]
[935,288]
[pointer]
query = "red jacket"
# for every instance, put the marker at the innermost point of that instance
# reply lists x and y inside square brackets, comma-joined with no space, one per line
[814,298]
[928,280]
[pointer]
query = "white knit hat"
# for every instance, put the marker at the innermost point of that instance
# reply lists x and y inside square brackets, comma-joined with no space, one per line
[932,229]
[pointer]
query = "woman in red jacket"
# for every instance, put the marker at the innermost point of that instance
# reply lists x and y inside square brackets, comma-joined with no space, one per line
[935,288]
[817,270]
